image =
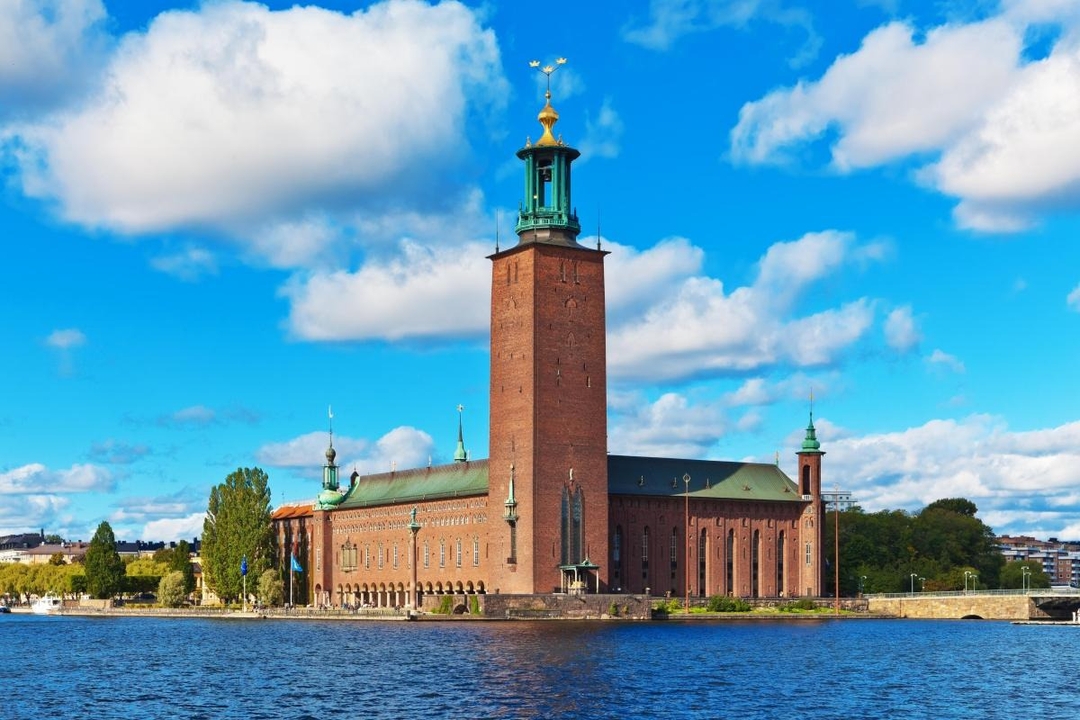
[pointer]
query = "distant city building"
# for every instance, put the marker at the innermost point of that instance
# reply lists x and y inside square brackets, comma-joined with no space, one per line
[550,511]
[1059,560]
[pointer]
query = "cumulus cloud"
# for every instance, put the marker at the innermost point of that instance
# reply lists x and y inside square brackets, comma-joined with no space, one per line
[170,529]
[37,479]
[402,447]
[671,426]
[48,50]
[1021,481]
[189,265]
[30,513]
[603,133]
[1073,299]
[426,292]
[994,129]
[901,332]
[699,328]
[670,20]
[939,358]
[66,339]
[238,118]
[116,452]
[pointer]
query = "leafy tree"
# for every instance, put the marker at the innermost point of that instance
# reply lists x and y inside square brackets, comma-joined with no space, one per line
[57,559]
[53,539]
[960,506]
[237,525]
[181,561]
[171,590]
[1012,575]
[271,588]
[104,568]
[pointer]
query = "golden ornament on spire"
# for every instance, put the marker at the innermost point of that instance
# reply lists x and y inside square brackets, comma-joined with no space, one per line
[548,117]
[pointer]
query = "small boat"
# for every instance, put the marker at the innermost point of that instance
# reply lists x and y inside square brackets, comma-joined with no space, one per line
[48,604]
[4,609]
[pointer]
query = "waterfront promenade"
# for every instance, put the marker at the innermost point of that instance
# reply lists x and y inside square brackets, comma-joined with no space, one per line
[1036,604]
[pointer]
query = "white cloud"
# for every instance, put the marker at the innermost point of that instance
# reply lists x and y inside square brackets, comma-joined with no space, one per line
[30,513]
[998,132]
[901,332]
[174,529]
[1073,299]
[66,339]
[427,292]
[1019,480]
[669,427]
[189,265]
[115,452]
[602,134]
[198,415]
[698,328]
[37,479]
[402,447]
[670,20]
[238,118]
[943,359]
[48,49]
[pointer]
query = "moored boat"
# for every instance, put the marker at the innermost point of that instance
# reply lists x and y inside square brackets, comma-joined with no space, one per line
[48,604]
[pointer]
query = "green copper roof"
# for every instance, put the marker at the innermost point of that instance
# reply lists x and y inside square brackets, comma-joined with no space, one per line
[708,479]
[461,479]
[811,444]
[627,475]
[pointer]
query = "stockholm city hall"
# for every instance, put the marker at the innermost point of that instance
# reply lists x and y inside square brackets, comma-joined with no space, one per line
[551,512]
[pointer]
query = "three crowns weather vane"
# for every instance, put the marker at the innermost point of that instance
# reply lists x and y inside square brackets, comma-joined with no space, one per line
[547,70]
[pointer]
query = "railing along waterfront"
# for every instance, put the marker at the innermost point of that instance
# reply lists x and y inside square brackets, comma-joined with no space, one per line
[1041,592]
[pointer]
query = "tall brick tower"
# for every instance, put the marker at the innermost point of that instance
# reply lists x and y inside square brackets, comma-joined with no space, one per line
[811,551]
[548,441]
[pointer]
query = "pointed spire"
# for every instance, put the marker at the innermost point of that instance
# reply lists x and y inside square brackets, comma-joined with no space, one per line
[460,455]
[810,443]
[548,117]
[510,514]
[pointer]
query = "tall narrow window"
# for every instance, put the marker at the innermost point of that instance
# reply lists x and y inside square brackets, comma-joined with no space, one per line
[780,564]
[457,553]
[645,556]
[755,564]
[476,551]
[809,555]
[729,580]
[427,554]
[806,480]
[572,526]
[442,553]
[703,554]
[616,558]
[395,555]
[674,554]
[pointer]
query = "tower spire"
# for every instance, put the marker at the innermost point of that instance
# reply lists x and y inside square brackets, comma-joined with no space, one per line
[459,454]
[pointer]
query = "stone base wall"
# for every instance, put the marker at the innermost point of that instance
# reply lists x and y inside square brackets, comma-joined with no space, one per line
[567,607]
[987,607]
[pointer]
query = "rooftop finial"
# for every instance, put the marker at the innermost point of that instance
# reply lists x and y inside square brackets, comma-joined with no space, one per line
[330,413]
[548,117]
[460,455]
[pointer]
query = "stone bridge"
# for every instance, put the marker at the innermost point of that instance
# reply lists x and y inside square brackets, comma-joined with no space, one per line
[986,604]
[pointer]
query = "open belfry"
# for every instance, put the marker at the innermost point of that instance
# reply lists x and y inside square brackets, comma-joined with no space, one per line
[551,512]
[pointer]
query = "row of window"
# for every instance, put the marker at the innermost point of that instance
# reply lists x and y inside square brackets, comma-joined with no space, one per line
[349,557]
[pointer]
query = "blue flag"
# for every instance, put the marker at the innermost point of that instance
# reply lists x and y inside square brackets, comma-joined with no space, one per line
[243,565]
[295,565]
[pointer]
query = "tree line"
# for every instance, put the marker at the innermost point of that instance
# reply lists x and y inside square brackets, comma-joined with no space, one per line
[941,547]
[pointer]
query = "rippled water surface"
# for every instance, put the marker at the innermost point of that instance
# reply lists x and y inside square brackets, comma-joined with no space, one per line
[67,667]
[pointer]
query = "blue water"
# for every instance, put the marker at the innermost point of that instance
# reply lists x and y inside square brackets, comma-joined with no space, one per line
[68,667]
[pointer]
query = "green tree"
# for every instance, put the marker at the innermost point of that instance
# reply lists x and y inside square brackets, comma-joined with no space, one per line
[57,559]
[271,588]
[53,539]
[170,590]
[237,525]
[1012,575]
[104,568]
[181,561]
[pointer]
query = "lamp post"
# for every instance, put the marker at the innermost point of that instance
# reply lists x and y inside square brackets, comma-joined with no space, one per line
[686,518]
[1026,578]
[836,549]
[922,584]
[414,528]
[913,576]
[862,583]
[967,574]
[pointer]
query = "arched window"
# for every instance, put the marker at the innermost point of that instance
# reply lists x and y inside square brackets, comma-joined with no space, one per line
[573,526]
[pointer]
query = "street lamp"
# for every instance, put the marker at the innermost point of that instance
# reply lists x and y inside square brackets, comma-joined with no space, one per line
[686,518]
[414,528]
[1026,578]
[913,576]
[836,549]
[862,583]
[922,584]
[967,574]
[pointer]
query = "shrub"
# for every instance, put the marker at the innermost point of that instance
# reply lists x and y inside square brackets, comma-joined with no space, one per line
[446,605]
[474,605]
[722,603]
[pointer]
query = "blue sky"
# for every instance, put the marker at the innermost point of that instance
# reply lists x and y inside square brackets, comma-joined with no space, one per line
[218,219]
